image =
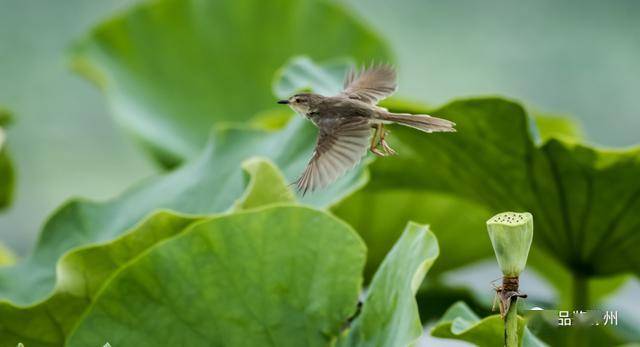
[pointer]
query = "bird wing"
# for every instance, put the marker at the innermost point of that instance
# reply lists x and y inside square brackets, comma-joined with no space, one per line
[340,145]
[370,85]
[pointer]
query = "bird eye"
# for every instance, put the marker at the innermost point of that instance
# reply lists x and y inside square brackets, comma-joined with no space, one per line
[296,100]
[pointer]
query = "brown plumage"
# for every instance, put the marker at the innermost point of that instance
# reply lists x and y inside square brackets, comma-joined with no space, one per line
[345,122]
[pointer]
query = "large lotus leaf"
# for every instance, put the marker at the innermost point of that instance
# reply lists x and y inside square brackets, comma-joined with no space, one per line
[460,322]
[389,314]
[597,193]
[83,271]
[173,68]
[283,276]
[546,128]
[378,215]
[7,175]
[484,160]
[580,196]
[81,275]
[212,183]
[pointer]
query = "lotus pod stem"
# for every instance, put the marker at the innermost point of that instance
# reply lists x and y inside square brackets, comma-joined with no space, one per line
[511,234]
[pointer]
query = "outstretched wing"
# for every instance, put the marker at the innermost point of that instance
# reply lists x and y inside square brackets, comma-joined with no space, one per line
[341,144]
[370,85]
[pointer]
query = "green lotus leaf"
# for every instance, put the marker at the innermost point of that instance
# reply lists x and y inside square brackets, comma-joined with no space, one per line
[81,272]
[579,196]
[86,273]
[7,175]
[283,276]
[171,69]
[212,183]
[389,314]
[598,190]
[548,127]
[81,275]
[378,215]
[461,323]
[266,185]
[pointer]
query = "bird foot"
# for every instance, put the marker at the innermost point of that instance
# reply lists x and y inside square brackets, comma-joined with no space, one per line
[387,148]
[377,152]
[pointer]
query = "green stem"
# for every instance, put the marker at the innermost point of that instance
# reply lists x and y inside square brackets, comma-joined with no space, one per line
[511,324]
[580,301]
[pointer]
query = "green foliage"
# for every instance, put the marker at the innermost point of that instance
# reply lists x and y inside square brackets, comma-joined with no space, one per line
[580,196]
[86,273]
[81,275]
[85,268]
[491,164]
[7,175]
[496,132]
[217,252]
[549,127]
[171,69]
[230,281]
[272,276]
[389,314]
[212,183]
[379,215]
[460,322]
[265,186]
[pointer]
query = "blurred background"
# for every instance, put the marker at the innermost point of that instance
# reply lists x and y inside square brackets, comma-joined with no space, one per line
[567,58]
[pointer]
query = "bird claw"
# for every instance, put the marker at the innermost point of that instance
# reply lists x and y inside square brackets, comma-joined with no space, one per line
[378,141]
[377,152]
[387,148]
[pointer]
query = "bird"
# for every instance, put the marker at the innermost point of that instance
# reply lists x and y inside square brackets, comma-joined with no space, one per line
[351,122]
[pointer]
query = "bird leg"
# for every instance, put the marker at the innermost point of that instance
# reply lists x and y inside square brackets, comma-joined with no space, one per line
[385,145]
[375,140]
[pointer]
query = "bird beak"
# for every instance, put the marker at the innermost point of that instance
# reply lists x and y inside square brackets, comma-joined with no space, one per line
[284,102]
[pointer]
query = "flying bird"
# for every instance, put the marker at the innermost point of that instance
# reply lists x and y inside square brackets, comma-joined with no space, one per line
[350,122]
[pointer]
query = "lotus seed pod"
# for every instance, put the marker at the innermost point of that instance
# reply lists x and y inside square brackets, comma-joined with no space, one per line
[511,234]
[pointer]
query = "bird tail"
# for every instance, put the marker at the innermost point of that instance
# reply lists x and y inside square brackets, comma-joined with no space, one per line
[421,122]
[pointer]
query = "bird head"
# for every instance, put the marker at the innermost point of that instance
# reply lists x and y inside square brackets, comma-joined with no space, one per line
[301,103]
